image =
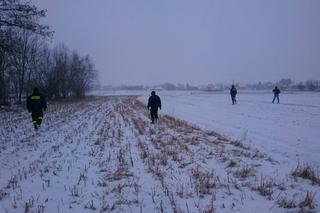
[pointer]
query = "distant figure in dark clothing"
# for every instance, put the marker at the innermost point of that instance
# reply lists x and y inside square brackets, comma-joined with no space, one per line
[276,93]
[154,103]
[35,104]
[233,93]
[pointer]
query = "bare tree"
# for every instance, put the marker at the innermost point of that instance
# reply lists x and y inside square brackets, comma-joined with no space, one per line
[7,42]
[3,77]
[26,61]
[22,15]
[61,70]
[14,15]
[20,60]
[82,75]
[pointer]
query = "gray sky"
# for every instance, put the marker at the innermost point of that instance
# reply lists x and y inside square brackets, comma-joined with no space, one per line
[191,41]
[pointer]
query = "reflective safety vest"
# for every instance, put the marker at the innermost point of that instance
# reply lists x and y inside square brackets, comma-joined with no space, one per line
[35,97]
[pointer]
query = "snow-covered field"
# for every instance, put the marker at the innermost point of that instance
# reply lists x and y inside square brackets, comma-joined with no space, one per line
[290,129]
[103,155]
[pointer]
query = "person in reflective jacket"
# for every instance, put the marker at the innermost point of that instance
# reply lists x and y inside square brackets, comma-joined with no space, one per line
[233,93]
[36,103]
[154,103]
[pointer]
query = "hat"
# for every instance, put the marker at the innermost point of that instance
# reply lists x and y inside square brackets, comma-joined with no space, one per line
[35,90]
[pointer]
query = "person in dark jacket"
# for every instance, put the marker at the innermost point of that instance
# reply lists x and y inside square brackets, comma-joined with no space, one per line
[35,104]
[154,103]
[233,93]
[276,93]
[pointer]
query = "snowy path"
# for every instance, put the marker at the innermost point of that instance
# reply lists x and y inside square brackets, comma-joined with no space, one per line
[102,155]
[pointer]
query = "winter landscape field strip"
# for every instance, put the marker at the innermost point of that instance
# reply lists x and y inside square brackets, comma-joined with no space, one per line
[103,155]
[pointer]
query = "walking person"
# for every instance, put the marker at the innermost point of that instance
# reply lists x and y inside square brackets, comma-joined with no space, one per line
[36,103]
[276,92]
[154,103]
[233,93]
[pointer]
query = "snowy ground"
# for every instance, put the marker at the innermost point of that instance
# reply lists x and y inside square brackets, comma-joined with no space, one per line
[102,155]
[290,128]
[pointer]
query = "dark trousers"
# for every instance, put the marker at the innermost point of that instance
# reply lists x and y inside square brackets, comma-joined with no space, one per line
[233,98]
[154,114]
[276,96]
[37,119]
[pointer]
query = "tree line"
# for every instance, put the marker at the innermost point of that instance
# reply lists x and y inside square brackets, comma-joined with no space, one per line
[27,60]
[284,84]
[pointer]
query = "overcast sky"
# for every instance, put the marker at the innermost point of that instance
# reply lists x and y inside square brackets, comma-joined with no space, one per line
[191,41]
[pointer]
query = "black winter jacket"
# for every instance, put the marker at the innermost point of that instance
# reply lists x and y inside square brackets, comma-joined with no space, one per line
[276,91]
[233,91]
[154,102]
[36,103]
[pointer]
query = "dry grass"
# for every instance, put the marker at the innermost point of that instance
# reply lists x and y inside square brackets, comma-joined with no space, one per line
[239,144]
[184,191]
[308,202]
[90,205]
[121,173]
[13,182]
[162,158]
[265,187]
[244,172]
[137,105]
[102,136]
[74,191]
[307,172]
[140,126]
[283,202]
[213,134]
[179,125]
[144,151]
[204,181]
[231,164]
